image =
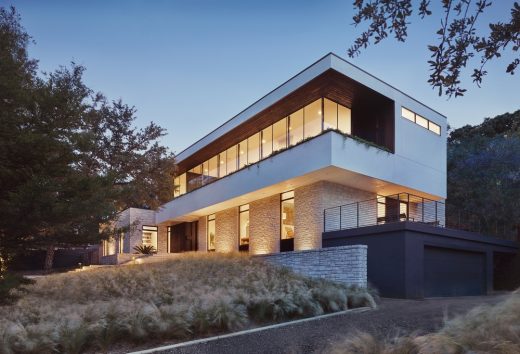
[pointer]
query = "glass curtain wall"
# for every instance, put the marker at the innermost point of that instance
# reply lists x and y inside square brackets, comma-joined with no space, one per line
[309,121]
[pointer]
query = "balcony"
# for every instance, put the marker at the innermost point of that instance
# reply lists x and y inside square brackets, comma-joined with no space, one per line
[405,207]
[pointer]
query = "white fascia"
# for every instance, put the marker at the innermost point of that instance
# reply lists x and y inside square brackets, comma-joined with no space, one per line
[329,61]
[330,156]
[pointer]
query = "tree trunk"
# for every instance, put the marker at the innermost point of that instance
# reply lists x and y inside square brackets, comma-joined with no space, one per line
[49,258]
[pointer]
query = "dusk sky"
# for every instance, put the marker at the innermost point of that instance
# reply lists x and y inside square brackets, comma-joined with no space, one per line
[190,66]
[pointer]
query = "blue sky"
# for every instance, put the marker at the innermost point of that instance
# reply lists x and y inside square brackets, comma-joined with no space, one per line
[191,65]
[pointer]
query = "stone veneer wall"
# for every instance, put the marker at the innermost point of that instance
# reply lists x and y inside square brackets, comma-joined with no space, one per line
[226,227]
[264,225]
[202,238]
[138,218]
[309,203]
[346,264]
[162,238]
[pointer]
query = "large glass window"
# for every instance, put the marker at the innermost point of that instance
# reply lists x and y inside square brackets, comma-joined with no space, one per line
[253,148]
[296,127]
[244,226]
[287,215]
[176,187]
[232,161]
[149,236]
[211,232]
[312,115]
[213,168]
[280,135]
[205,172]
[344,119]
[267,141]
[194,178]
[330,120]
[307,122]
[222,164]
[242,154]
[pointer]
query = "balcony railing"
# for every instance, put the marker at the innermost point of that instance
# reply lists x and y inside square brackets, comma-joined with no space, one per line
[408,207]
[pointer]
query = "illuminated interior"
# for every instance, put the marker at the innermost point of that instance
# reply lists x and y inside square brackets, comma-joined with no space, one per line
[309,121]
[420,120]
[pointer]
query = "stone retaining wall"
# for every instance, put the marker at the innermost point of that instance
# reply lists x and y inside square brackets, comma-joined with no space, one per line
[345,264]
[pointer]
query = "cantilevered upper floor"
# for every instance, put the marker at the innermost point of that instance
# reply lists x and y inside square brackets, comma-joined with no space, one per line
[332,121]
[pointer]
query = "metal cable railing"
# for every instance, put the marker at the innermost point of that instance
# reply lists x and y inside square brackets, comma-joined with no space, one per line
[408,207]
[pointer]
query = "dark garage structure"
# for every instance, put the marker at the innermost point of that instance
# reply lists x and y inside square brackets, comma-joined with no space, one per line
[415,260]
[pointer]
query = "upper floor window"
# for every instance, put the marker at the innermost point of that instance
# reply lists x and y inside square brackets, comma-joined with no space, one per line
[420,120]
[307,122]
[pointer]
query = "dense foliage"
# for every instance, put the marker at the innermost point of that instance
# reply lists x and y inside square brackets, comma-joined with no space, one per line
[459,36]
[191,296]
[484,172]
[70,159]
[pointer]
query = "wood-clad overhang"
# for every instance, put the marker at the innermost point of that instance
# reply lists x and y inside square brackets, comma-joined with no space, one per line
[330,84]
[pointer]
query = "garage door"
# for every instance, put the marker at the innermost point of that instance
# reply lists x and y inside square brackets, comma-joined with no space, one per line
[449,272]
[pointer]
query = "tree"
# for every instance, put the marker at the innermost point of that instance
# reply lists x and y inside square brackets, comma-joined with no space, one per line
[484,172]
[70,159]
[458,38]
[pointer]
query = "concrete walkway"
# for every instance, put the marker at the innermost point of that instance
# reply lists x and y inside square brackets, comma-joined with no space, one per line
[392,318]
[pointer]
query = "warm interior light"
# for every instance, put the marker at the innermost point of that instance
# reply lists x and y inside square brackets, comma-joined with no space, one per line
[284,216]
[263,141]
[241,152]
[319,112]
[221,162]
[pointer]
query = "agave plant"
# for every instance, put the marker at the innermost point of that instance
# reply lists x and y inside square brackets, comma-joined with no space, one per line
[145,249]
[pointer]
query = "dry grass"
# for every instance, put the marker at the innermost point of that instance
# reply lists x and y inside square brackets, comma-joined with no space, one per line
[192,296]
[484,329]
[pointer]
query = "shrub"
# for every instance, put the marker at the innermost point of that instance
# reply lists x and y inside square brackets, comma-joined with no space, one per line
[9,283]
[145,249]
[189,296]
[484,329]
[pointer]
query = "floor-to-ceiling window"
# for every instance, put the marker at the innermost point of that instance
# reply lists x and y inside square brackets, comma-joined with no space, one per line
[307,122]
[212,232]
[296,127]
[243,224]
[287,221]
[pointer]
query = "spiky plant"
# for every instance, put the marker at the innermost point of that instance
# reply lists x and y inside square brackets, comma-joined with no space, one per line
[145,249]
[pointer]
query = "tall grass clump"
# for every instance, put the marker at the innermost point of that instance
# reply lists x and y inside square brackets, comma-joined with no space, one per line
[484,329]
[192,295]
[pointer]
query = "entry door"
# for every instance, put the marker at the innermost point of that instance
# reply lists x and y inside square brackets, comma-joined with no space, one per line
[450,272]
[183,237]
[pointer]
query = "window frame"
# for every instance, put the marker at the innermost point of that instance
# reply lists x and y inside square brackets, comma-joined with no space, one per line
[428,122]
[244,208]
[285,196]
[210,218]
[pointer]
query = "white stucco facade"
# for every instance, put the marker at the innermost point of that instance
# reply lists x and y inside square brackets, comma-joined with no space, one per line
[323,171]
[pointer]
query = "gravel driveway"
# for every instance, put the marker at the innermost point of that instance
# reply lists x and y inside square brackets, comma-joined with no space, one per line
[393,317]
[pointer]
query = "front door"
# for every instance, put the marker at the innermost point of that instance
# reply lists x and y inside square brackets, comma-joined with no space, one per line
[183,237]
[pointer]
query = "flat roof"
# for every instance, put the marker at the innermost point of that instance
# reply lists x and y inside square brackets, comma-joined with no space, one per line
[329,61]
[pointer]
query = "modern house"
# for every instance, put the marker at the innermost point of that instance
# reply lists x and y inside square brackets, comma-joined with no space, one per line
[332,150]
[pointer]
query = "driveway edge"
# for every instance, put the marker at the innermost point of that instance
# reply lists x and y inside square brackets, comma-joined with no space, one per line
[248,331]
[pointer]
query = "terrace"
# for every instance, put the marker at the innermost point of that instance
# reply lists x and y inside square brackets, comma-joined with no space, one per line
[406,207]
